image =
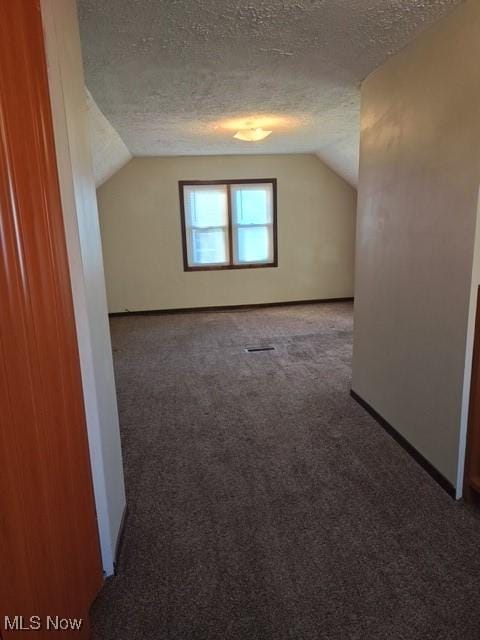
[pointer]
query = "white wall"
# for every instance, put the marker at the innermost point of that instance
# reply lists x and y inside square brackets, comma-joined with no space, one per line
[141,234]
[475,283]
[417,203]
[85,256]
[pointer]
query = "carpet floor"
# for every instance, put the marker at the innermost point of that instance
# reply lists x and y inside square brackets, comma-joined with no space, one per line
[264,502]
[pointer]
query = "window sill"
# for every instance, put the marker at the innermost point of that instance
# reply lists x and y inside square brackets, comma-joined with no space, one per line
[231,267]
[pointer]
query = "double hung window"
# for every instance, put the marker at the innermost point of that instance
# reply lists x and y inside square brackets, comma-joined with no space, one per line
[228,224]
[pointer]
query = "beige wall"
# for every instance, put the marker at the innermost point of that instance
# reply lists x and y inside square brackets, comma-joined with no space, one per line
[140,223]
[419,178]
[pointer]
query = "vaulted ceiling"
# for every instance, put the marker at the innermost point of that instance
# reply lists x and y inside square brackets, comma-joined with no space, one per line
[179,77]
[109,152]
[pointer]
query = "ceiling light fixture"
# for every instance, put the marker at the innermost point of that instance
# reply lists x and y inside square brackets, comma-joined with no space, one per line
[252,135]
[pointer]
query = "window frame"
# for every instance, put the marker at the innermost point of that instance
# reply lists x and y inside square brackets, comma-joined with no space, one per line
[228,183]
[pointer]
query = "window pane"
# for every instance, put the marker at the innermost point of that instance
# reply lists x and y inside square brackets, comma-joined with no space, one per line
[206,206]
[252,204]
[208,223]
[254,244]
[209,247]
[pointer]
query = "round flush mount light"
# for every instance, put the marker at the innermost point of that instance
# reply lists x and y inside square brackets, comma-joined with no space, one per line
[252,134]
[257,126]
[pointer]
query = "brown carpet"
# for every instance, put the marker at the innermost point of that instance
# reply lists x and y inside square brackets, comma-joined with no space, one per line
[264,503]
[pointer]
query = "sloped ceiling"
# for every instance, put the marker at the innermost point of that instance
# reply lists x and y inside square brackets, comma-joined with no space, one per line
[177,77]
[109,152]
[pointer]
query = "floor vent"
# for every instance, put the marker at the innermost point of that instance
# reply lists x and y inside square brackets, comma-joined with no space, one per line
[255,349]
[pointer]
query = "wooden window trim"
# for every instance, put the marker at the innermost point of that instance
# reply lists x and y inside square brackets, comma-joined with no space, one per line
[228,183]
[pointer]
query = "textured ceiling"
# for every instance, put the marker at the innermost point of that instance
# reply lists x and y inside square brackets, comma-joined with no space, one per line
[109,152]
[171,74]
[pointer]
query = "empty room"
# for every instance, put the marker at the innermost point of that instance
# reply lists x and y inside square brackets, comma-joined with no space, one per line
[240,343]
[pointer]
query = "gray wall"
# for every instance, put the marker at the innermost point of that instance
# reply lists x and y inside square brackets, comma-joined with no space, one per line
[419,178]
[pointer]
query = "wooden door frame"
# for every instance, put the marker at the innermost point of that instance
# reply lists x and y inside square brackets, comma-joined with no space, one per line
[50,556]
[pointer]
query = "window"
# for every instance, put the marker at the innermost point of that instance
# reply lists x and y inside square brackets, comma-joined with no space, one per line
[229,224]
